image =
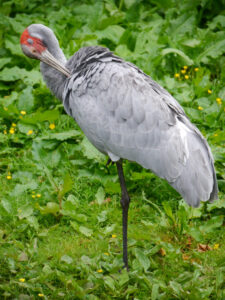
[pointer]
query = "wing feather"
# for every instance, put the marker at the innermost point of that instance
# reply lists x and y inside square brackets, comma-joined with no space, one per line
[125,114]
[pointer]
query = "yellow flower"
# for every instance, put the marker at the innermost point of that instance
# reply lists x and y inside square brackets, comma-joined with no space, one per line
[5,131]
[38,195]
[13,124]
[22,279]
[183,71]
[186,76]
[100,271]
[9,177]
[23,112]
[177,75]
[216,246]
[200,108]
[52,126]
[196,69]
[219,101]
[106,253]
[33,196]
[11,130]
[113,236]
[30,132]
[210,92]
[215,134]
[185,67]
[40,295]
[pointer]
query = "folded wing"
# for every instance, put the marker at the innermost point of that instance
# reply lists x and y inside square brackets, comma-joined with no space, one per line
[125,114]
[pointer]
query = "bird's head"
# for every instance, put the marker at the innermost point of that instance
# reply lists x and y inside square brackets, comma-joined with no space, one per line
[35,42]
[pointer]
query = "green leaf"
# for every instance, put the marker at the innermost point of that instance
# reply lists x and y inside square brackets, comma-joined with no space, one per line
[24,128]
[142,258]
[33,222]
[216,49]
[3,138]
[155,291]
[110,228]
[7,205]
[13,44]
[196,234]
[10,74]
[4,61]
[19,189]
[50,208]
[191,43]
[100,196]
[129,3]
[86,231]
[123,278]
[212,224]
[204,102]
[67,185]
[23,257]
[16,73]
[220,203]
[69,207]
[25,211]
[67,259]
[48,115]
[187,59]
[218,20]
[102,217]
[123,51]
[26,99]
[80,218]
[194,113]
[8,100]
[74,225]
[112,187]
[62,136]
[109,282]
[168,210]
[177,288]
[191,211]
[113,33]
[90,151]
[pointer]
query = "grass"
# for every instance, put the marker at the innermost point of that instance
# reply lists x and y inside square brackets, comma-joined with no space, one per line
[60,215]
[61,262]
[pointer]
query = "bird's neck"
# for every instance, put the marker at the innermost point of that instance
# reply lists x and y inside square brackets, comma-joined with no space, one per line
[54,79]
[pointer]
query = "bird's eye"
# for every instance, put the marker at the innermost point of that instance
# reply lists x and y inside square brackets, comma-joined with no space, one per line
[30,41]
[33,51]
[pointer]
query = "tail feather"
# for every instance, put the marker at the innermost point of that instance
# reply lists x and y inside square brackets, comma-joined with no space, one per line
[198,181]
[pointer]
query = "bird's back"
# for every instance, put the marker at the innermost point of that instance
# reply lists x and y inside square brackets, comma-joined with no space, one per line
[125,114]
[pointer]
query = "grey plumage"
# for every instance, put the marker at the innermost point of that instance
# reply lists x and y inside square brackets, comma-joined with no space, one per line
[125,114]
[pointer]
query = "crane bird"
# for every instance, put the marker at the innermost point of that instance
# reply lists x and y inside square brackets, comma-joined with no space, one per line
[126,115]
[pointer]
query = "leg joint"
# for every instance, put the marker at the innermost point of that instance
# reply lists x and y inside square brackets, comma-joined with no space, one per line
[125,201]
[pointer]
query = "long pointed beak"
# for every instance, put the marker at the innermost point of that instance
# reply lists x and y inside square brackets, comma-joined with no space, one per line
[49,59]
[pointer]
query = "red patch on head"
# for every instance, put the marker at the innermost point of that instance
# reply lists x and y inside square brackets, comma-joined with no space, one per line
[37,43]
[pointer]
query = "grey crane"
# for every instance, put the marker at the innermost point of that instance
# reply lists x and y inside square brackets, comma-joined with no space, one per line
[126,115]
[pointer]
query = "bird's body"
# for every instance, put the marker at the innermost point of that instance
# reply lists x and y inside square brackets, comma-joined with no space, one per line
[125,114]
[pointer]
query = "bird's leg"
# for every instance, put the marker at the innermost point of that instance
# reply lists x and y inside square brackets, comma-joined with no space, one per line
[125,200]
[109,161]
